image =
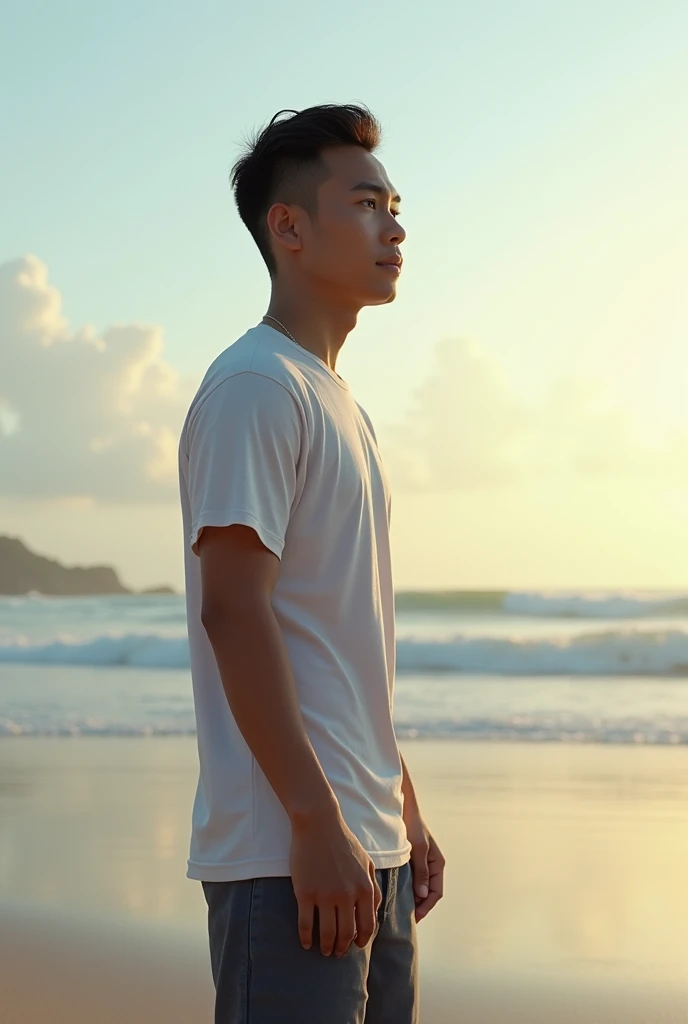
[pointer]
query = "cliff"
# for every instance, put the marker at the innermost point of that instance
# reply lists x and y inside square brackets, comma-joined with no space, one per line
[23,571]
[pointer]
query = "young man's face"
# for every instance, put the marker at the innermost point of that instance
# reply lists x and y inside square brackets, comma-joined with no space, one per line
[355,228]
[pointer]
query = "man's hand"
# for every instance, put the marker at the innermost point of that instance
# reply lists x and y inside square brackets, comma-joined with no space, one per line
[427,862]
[330,870]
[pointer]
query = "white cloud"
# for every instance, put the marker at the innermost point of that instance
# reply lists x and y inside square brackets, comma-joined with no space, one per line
[469,429]
[97,416]
[82,413]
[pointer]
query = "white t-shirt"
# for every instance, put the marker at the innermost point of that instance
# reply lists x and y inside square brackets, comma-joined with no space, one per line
[275,440]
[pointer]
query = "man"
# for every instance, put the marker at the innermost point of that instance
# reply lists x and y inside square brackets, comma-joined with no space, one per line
[313,856]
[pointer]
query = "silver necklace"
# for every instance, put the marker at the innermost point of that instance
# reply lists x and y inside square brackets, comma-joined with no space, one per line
[270,317]
[288,332]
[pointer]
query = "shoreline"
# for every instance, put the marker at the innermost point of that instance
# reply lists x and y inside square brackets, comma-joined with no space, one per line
[93,970]
[565,894]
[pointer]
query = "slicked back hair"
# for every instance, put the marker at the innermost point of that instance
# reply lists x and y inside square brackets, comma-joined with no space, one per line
[283,163]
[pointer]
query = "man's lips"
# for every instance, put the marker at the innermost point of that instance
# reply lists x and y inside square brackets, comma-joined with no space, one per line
[391,268]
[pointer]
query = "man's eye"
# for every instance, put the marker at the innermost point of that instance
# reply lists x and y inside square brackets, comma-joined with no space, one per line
[395,213]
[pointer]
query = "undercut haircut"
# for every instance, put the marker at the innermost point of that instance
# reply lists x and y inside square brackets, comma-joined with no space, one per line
[283,163]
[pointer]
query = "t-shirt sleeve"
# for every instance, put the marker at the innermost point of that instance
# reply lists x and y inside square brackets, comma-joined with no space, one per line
[244,443]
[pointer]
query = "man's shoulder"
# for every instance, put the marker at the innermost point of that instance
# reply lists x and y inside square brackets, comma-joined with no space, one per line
[253,359]
[251,365]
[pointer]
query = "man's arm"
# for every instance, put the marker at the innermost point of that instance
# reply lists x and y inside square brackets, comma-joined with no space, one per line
[330,869]
[410,799]
[238,576]
[427,861]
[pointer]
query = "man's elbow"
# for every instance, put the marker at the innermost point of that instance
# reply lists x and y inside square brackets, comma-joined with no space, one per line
[229,612]
[218,613]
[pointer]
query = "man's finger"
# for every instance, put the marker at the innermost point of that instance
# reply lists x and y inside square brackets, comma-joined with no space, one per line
[420,869]
[424,908]
[306,923]
[365,912]
[346,927]
[377,891]
[327,922]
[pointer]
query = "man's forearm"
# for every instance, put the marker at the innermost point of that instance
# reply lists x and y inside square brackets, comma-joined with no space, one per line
[407,789]
[259,684]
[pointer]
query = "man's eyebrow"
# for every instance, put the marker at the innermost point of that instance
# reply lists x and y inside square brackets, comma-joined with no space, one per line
[372,186]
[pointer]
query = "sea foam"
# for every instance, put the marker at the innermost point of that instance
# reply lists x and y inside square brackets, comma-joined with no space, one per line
[625,652]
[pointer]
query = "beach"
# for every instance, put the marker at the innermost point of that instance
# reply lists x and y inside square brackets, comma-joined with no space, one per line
[566,896]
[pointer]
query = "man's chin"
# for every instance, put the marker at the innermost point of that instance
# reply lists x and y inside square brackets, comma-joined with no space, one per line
[381,298]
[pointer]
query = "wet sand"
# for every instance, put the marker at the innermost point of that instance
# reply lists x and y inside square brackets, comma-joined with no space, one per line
[566,884]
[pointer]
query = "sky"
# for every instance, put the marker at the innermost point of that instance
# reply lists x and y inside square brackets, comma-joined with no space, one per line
[528,384]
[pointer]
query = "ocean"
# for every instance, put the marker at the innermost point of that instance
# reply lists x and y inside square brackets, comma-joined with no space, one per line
[490,665]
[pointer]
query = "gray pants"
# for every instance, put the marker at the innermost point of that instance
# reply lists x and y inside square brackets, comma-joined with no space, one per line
[263,975]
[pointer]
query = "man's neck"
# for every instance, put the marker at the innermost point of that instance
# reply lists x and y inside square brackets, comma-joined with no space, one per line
[321,328]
